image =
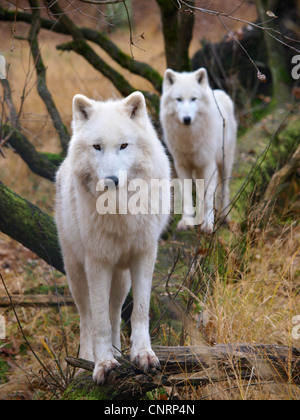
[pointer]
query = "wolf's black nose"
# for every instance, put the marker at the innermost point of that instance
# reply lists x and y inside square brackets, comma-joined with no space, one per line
[187,120]
[111,179]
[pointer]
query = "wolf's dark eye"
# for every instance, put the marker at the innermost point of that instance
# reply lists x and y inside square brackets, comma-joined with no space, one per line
[194,99]
[97,147]
[179,100]
[124,146]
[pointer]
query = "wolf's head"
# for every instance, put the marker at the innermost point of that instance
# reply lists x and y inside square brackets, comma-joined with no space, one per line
[185,95]
[110,138]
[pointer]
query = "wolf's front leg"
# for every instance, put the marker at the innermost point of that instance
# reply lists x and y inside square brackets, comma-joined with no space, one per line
[141,272]
[99,281]
[211,182]
[187,220]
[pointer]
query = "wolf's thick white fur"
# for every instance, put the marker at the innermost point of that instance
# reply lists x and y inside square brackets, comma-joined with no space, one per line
[200,131]
[105,254]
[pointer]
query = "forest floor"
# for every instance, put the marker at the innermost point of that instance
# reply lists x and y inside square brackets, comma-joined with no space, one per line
[250,288]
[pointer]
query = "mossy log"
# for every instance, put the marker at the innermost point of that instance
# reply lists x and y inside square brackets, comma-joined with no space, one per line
[26,301]
[196,366]
[27,224]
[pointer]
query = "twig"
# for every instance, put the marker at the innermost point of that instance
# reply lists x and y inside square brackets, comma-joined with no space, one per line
[254,25]
[243,48]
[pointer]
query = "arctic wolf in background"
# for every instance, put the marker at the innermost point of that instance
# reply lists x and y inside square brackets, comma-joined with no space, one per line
[105,254]
[202,146]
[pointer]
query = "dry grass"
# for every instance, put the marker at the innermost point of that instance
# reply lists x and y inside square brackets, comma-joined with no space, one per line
[255,298]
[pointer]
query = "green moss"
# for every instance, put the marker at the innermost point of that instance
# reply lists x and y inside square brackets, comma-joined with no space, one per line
[83,388]
[55,158]
[45,289]
[27,224]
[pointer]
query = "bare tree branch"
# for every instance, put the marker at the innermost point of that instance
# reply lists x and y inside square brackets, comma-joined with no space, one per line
[43,91]
[139,68]
[80,46]
[42,164]
[229,15]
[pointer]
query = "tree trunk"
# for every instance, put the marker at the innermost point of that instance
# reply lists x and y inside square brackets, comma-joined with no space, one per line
[27,224]
[280,75]
[178,31]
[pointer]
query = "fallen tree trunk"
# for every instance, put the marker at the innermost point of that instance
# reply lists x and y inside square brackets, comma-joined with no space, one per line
[196,366]
[35,300]
[27,224]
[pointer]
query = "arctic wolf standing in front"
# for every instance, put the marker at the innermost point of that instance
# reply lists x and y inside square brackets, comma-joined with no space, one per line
[200,131]
[105,253]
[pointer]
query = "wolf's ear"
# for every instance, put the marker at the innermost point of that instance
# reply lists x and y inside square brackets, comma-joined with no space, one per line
[169,78]
[82,108]
[135,105]
[202,76]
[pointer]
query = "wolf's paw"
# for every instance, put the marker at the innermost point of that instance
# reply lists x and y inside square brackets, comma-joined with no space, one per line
[185,224]
[207,227]
[145,359]
[102,370]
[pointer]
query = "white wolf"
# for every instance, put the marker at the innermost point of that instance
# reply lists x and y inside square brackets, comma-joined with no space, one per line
[105,254]
[200,131]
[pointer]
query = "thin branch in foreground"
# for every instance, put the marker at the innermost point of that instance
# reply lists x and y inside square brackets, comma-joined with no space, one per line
[260,76]
[41,77]
[245,22]
[26,340]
